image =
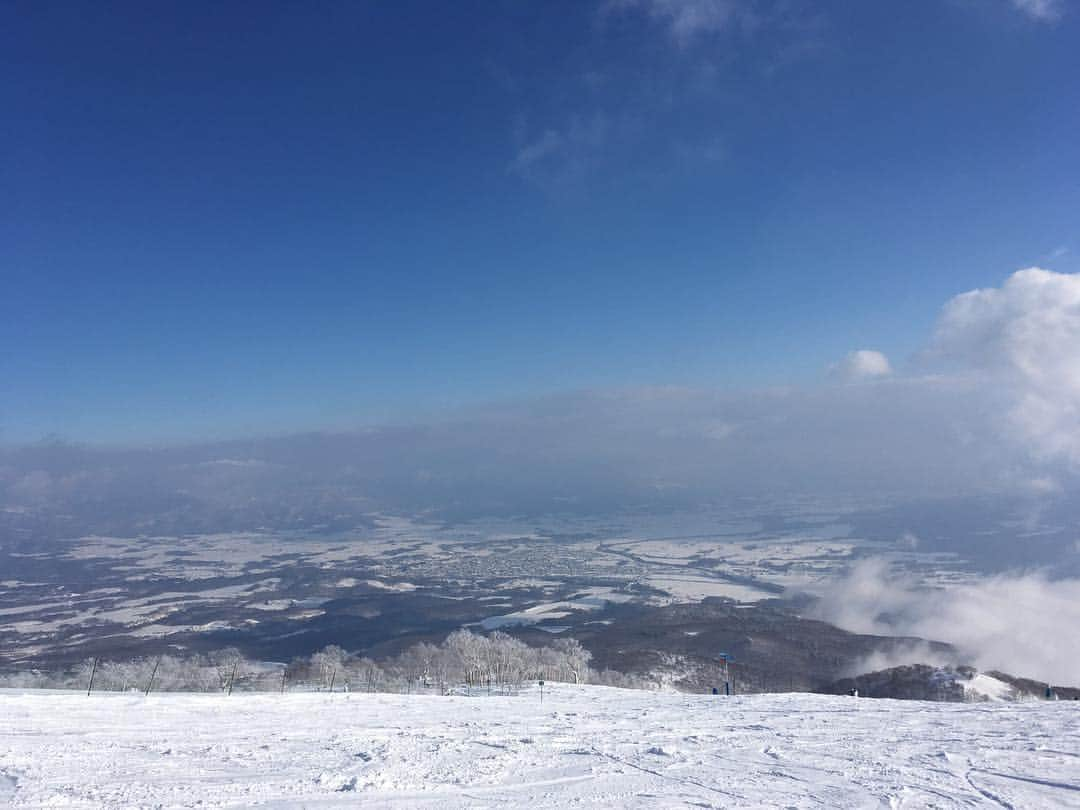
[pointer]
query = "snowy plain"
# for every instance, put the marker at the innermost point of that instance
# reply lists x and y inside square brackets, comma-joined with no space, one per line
[583,746]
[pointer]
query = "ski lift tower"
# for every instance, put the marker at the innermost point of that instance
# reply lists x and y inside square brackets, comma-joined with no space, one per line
[728,659]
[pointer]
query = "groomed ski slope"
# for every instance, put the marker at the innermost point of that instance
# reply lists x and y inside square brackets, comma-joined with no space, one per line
[583,747]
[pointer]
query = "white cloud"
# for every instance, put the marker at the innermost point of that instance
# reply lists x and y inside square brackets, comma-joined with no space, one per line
[1026,625]
[1041,10]
[1023,339]
[863,364]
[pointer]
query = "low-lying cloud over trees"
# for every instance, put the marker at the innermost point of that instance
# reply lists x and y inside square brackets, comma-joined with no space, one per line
[1024,623]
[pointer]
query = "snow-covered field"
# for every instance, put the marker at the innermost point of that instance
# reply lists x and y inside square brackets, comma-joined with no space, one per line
[583,746]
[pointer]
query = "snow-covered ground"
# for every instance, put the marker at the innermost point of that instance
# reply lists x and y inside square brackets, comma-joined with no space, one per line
[583,746]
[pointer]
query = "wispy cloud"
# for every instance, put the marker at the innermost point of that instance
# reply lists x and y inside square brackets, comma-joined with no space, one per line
[652,66]
[794,29]
[549,143]
[560,157]
[686,20]
[1041,10]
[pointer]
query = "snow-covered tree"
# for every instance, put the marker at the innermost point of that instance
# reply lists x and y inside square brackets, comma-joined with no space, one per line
[327,664]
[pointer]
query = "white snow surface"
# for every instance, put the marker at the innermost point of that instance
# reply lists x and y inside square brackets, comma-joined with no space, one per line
[583,746]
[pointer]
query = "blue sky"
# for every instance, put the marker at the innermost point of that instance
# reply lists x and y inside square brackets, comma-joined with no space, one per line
[228,219]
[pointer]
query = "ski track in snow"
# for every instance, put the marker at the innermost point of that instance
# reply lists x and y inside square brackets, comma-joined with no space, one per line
[583,746]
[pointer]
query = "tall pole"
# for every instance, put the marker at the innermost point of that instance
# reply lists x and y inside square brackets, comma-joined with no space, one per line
[150,683]
[232,676]
[93,671]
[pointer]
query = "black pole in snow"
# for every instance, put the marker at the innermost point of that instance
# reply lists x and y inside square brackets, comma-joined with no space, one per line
[93,671]
[232,676]
[152,674]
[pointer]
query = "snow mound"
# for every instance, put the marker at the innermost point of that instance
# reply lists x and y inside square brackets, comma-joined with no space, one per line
[582,746]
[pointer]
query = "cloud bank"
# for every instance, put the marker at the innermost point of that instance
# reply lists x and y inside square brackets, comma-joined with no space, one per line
[1027,625]
[988,410]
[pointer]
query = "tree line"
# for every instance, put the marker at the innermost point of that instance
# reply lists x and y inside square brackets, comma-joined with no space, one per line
[464,661]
